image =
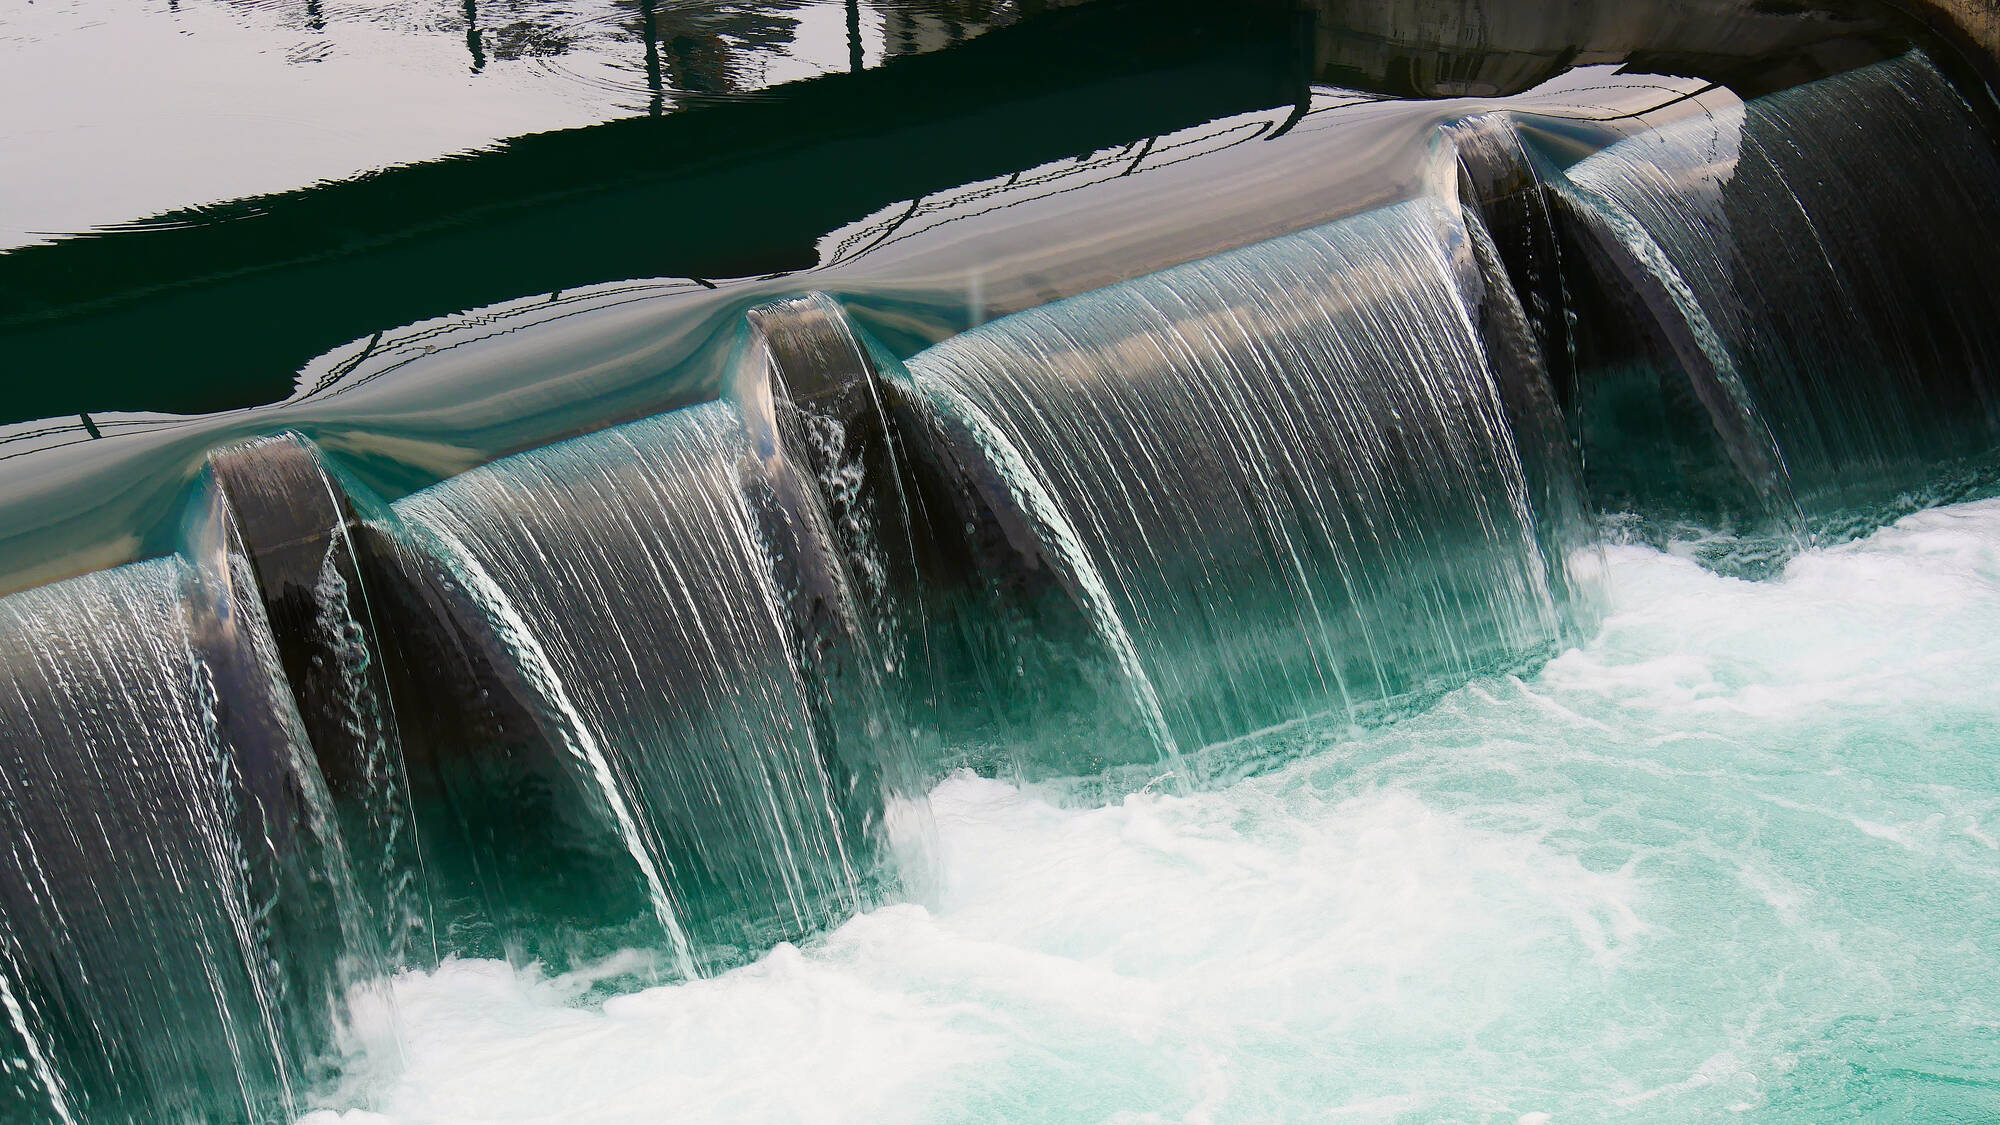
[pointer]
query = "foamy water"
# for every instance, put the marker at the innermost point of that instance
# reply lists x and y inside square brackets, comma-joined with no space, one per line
[1738,856]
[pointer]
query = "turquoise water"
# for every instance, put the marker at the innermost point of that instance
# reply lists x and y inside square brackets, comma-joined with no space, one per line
[1141,374]
[1739,855]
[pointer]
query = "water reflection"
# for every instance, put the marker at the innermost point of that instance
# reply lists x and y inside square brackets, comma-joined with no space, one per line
[1076,146]
[139,110]
[290,275]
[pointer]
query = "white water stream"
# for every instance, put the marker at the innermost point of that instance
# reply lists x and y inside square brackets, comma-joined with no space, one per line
[1740,854]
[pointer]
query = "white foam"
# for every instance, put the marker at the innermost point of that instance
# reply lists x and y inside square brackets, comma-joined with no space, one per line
[1665,880]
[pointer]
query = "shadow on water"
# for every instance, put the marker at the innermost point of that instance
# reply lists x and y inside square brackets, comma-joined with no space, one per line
[219,309]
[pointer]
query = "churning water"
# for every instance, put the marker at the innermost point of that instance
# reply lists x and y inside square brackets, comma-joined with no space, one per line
[1191,699]
[1740,852]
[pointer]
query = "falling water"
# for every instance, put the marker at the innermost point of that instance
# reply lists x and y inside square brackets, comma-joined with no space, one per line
[180,920]
[633,575]
[1282,480]
[1823,290]
[682,684]
[294,528]
[368,720]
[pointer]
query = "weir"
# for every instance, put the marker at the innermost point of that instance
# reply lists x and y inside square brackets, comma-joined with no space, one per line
[670,599]
[680,684]
[1811,347]
[181,919]
[1256,524]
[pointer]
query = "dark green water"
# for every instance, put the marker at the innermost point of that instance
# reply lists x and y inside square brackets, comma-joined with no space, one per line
[1733,859]
[1098,562]
[576,268]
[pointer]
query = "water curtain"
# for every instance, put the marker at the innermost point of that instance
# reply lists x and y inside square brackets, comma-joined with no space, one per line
[679,685]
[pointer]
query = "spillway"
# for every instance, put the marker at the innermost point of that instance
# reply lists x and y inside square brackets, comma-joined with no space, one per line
[634,709]
[1257,526]
[182,921]
[1814,350]
[679,619]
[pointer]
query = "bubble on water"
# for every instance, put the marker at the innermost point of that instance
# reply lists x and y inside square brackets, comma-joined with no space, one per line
[1734,856]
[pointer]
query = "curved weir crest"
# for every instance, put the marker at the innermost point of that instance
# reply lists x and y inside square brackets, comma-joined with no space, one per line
[683,683]
[1274,527]
[1810,261]
[581,742]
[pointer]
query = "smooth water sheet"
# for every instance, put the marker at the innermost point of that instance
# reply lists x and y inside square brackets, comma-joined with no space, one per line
[1739,854]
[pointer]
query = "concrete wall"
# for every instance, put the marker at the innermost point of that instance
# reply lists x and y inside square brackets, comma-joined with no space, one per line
[1976,20]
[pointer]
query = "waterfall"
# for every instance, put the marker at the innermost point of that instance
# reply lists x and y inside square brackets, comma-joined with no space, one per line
[180,917]
[1813,349]
[1279,482]
[294,527]
[682,684]
[670,599]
